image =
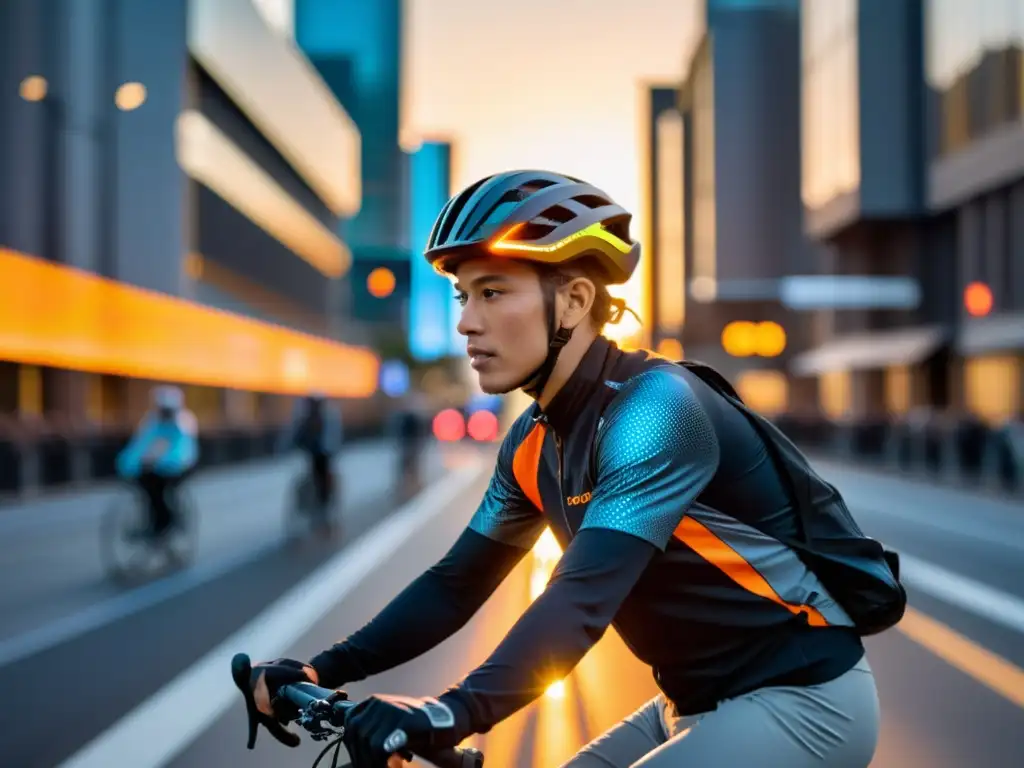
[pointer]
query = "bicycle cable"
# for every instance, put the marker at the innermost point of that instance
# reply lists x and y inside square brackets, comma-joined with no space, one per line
[337,751]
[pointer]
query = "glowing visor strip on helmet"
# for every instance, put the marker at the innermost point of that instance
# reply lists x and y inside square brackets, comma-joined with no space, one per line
[594,230]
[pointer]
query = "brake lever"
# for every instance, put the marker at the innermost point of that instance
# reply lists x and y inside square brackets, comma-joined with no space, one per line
[241,673]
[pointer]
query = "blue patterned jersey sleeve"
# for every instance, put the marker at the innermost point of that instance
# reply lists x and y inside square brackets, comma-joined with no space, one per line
[656,452]
[506,514]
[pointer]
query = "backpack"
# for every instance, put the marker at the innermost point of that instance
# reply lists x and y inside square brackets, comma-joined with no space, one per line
[860,574]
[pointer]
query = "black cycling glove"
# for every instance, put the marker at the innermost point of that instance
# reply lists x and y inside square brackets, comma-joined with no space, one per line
[373,728]
[274,676]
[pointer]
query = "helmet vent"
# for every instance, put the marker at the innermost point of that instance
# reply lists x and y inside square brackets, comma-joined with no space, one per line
[619,228]
[592,201]
[559,214]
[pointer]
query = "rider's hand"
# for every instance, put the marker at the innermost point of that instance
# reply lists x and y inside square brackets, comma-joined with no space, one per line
[427,723]
[269,677]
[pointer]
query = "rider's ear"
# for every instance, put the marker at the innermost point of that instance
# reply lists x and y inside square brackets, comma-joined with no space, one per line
[579,295]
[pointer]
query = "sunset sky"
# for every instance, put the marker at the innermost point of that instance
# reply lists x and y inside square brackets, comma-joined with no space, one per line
[552,84]
[544,83]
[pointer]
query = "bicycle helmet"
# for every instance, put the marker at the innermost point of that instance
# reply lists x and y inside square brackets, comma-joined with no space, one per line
[541,217]
[168,398]
[536,216]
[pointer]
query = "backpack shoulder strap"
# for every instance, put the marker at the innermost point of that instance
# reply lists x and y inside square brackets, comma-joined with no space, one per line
[721,385]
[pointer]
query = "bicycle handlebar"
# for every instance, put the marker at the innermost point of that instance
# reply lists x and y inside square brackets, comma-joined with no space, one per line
[317,705]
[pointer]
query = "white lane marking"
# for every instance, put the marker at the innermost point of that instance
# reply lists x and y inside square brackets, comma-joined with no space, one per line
[100,614]
[999,533]
[972,596]
[156,731]
[96,615]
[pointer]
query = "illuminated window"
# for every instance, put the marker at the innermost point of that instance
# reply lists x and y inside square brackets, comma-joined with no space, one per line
[670,289]
[766,392]
[835,393]
[897,390]
[670,348]
[830,101]
[705,234]
[992,388]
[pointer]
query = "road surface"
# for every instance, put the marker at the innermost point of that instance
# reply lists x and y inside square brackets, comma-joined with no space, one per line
[151,688]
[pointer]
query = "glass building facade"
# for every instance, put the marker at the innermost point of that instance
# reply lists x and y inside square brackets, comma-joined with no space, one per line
[975,69]
[357,47]
[830,112]
[670,233]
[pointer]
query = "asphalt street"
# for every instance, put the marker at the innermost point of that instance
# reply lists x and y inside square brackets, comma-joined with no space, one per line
[148,684]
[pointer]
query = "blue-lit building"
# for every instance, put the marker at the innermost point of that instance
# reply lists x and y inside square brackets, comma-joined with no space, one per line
[158,161]
[432,310]
[356,45]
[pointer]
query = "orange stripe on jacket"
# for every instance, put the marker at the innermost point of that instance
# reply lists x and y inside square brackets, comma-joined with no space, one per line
[708,545]
[526,462]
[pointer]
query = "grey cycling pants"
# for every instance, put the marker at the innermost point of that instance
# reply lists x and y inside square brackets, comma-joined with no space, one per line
[834,724]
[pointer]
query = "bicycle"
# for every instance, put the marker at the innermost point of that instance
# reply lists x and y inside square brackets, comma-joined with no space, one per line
[131,551]
[321,713]
[304,513]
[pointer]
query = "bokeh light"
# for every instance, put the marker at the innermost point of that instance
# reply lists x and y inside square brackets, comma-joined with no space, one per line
[449,426]
[381,282]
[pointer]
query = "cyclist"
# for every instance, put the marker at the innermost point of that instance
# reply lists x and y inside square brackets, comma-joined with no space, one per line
[658,489]
[161,454]
[409,428]
[316,429]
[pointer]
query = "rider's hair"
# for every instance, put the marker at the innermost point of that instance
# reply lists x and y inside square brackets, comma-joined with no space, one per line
[605,309]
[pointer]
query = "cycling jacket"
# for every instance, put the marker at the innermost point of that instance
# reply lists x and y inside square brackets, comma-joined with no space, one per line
[663,498]
[176,441]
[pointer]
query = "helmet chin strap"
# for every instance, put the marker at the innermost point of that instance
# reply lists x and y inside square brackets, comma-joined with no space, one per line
[535,381]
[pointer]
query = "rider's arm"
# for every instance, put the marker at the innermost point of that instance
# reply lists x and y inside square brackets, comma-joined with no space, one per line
[183,449]
[656,453]
[287,436]
[129,460]
[440,602]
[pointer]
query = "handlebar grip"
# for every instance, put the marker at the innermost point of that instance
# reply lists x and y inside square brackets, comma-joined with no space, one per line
[303,694]
[456,758]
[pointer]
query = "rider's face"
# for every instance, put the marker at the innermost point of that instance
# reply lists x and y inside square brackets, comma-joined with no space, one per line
[503,320]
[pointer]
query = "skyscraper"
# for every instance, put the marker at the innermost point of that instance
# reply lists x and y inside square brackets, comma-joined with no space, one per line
[357,47]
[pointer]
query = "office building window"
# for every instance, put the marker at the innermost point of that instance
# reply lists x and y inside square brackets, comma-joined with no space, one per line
[975,68]
[766,392]
[835,394]
[705,235]
[898,390]
[830,100]
[671,269]
[992,388]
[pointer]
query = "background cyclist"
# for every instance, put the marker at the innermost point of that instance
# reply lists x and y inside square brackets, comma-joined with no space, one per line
[161,454]
[316,430]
